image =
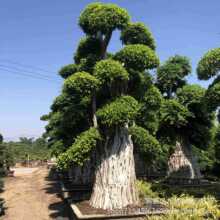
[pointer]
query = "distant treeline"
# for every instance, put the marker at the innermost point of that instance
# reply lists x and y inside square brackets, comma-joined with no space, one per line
[29,148]
[22,150]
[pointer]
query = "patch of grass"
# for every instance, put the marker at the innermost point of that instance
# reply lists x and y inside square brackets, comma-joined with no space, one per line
[189,208]
[183,203]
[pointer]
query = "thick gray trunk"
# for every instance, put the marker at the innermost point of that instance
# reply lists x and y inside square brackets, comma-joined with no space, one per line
[114,186]
[182,163]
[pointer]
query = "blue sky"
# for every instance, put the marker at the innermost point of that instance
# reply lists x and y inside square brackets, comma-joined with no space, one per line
[42,35]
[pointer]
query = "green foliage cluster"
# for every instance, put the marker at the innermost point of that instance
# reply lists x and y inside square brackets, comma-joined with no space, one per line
[183,62]
[173,114]
[138,57]
[199,129]
[148,144]
[190,94]
[88,46]
[170,75]
[108,71]
[57,148]
[150,108]
[81,83]
[137,33]
[118,112]
[104,18]
[209,65]
[212,97]
[80,150]
[68,70]
[6,158]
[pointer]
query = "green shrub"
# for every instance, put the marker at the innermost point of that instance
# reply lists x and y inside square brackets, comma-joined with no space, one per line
[144,190]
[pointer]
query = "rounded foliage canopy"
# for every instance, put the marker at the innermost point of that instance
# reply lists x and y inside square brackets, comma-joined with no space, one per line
[173,114]
[87,46]
[108,71]
[212,97]
[137,33]
[68,70]
[183,62]
[123,110]
[138,57]
[150,106]
[81,83]
[209,65]
[148,145]
[104,18]
[170,75]
[60,102]
[152,98]
[190,94]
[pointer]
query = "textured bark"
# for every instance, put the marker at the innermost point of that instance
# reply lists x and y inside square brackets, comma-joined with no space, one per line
[114,186]
[182,163]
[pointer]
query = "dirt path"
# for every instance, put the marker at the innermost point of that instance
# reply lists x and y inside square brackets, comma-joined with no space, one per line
[32,195]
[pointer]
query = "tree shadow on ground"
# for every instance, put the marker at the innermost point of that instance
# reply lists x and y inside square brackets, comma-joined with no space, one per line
[59,209]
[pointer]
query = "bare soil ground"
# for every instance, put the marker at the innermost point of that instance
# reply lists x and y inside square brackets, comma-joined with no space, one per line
[33,195]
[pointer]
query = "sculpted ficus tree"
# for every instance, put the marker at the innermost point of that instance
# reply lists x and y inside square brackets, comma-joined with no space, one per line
[103,103]
[209,67]
[185,120]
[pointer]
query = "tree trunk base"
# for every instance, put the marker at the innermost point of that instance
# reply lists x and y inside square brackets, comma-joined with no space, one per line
[182,163]
[115,177]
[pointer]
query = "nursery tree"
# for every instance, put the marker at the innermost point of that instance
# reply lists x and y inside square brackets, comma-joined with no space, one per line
[103,100]
[209,68]
[185,121]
